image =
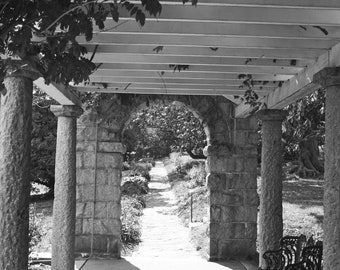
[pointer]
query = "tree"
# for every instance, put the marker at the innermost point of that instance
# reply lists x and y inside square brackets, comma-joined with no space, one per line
[159,129]
[304,131]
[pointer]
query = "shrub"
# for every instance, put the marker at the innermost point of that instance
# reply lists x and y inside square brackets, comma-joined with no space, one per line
[36,229]
[131,228]
[197,175]
[134,185]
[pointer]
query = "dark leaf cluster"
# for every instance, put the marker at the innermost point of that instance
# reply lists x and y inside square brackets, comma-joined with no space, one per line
[46,32]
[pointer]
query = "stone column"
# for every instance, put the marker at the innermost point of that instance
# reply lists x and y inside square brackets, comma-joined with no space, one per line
[329,78]
[64,206]
[15,150]
[270,219]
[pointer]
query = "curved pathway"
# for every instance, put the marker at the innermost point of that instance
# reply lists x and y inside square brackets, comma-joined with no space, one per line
[165,241]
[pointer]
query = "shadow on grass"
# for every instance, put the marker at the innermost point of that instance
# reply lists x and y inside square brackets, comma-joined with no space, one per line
[318,217]
[303,192]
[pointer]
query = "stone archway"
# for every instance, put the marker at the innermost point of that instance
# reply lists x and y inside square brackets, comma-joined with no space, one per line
[231,168]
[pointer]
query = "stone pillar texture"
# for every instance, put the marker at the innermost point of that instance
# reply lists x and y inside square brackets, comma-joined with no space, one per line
[233,193]
[270,219]
[99,168]
[15,150]
[330,79]
[64,205]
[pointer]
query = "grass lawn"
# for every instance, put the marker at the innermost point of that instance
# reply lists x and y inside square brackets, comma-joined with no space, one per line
[303,207]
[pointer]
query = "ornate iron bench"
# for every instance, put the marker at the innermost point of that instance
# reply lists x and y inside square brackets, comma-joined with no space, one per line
[311,259]
[289,252]
[295,253]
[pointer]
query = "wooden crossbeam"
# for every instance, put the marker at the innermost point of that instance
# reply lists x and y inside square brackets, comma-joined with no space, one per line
[248,14]
[199,60]
[216,41]
[220,29]
[58,92]
[270,53]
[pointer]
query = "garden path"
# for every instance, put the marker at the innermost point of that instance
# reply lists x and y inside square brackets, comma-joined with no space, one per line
[165,241]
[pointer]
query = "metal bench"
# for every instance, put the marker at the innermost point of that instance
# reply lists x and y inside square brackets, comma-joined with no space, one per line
[295,253]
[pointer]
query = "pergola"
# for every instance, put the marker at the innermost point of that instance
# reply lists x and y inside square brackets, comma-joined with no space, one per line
[287,48]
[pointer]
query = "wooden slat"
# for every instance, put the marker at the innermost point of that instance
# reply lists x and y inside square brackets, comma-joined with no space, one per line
[220,29]
[159,68]
[216,41]
[188,75]
[179,91]
[248,14]
[191,60]
[329,4]
[292,53]
[183,81]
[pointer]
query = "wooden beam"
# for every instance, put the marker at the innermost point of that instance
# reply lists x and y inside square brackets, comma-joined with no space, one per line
[329,4]
[248,14]
[299,85]
[200,60]
[161,90]
[181,81]
[187,75]
[293,53]
[219,29]
[58,92]
[216,41]
[110,69]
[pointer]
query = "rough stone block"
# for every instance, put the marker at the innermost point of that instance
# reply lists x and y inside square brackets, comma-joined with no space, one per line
[88,159]
[85,176]
[215,213]
[239,164]
[109,160]
[114,177]
[227,231]
[102,244]
[241,137]
[102,226]
[86,192]
[251,197]
[111,147]
[251,230]
[218,150]
[79,160]
[250,164]
[107,193]
[79,226]
[241,181]
[86,133]
[227,198]
[107,135]
[114,210]
[216,181]
[238,214]
[213,249]
[237,249]
[86,146]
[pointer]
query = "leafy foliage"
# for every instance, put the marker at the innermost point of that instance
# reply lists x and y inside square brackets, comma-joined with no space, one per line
[43,143]
[45,32]
[160,129]
[306,119]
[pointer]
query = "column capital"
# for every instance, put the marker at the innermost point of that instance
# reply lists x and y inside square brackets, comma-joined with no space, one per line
[272,115]
[66,110]
[327,77]
[21,68]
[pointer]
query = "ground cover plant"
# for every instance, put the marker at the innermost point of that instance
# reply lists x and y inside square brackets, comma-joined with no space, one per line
[134,187]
